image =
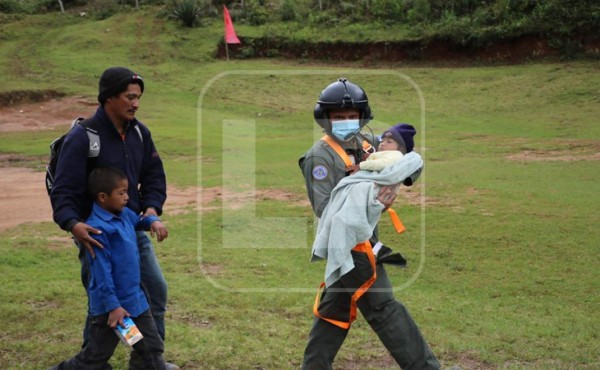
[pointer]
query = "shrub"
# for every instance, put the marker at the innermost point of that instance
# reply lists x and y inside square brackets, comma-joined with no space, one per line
[102,9]
[419,12]
[11,6]
[188,12]
[252,13]
[393,10]
[289,11]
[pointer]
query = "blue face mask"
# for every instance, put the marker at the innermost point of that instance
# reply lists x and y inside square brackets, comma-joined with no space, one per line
[344,130]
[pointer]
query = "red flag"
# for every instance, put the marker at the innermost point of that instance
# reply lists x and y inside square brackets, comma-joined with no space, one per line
[230,36]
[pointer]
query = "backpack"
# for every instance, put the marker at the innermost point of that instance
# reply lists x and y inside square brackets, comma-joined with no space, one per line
[56,146]
[93,153]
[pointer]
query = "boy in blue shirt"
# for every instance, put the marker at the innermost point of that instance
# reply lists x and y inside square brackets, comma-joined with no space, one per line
[115,285]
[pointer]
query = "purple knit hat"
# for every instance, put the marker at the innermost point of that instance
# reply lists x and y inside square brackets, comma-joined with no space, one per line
[403,134]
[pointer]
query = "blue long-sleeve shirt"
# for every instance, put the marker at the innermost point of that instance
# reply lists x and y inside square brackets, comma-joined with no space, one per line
[115,272]
[136,157]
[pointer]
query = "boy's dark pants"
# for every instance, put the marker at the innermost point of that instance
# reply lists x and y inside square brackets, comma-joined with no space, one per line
[386,316]
[146,354]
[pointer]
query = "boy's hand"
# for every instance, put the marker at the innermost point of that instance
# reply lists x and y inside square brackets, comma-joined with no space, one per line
[354,168]
[115,317]
[160,230]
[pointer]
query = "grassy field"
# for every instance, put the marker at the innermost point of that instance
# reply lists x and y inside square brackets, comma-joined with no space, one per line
[502,242]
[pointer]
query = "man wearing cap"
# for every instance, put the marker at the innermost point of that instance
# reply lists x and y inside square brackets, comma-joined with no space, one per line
[124,143]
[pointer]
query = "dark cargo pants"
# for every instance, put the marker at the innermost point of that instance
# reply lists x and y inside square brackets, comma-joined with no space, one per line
[386,316]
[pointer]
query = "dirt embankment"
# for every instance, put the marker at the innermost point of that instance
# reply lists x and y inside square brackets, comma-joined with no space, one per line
[512,50]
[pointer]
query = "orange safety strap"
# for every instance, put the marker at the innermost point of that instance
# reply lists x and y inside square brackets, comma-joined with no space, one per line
[339,150]
[396,221]
[367,148]
[364,247]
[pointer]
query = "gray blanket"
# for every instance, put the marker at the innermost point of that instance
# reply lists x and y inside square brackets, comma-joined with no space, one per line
[352,214]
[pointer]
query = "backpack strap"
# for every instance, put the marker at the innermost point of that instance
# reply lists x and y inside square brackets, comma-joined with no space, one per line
[91,127]
[91,130]
[139,132]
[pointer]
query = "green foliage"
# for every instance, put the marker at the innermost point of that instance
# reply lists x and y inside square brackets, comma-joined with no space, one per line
[188,12]
[289,10]
[325,19]
[567,23]
[419,12]
[13,6]
[26,6]
[252,12]
[388,10]
[568,26]
[103,9]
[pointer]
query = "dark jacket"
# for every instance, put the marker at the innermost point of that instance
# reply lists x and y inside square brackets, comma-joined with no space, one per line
[136,157]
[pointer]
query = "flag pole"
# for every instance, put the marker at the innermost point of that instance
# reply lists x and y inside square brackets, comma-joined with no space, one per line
[230,36]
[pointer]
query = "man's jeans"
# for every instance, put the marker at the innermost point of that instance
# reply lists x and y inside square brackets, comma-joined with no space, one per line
[153,283]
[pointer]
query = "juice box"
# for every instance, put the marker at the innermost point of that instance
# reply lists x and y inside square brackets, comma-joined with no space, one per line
[129,334]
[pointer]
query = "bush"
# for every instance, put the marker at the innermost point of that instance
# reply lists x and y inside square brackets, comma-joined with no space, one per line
[189,12]
[566,23]
[324,19]
[289,11]
[11,7]
[185,11]
[253,13]
[419,12]
[390,10]
[103,9]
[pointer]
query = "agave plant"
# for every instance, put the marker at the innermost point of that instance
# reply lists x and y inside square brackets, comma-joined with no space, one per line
[186,11]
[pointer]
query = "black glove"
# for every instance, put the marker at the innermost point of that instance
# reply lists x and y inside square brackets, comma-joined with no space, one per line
[385,255]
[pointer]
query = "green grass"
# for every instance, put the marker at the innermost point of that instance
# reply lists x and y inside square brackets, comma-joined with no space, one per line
[510,275]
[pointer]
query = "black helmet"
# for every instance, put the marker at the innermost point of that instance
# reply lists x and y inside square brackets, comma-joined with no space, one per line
[342,94]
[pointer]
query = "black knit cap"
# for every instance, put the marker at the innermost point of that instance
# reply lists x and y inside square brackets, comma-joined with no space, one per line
[115,80]
[403,134]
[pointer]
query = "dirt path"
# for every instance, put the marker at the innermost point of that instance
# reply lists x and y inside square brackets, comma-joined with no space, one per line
[44,115]
[22,193]
[24,198]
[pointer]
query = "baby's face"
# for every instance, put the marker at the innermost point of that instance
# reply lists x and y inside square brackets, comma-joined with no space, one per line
[387,143]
